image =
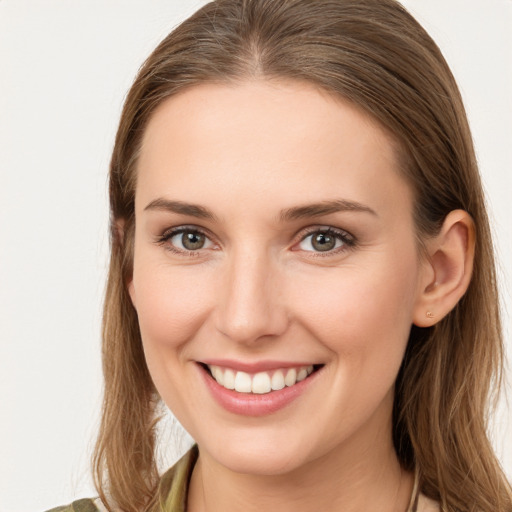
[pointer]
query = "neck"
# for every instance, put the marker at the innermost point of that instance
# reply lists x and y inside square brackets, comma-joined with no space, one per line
[354,477]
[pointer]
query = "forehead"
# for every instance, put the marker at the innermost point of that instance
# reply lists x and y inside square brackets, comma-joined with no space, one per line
[265,138]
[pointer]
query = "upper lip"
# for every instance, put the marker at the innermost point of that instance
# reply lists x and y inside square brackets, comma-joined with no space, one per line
[255,367]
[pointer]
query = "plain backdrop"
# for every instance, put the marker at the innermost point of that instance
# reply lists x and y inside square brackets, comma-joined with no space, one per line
[65,67]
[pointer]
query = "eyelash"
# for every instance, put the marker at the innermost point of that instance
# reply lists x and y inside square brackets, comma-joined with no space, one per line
[348,240]
[164,238]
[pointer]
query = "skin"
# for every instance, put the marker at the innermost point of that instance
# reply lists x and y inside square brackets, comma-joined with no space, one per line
[258,290]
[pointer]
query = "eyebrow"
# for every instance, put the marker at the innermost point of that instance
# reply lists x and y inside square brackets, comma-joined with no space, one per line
[180,207]
[286,215]
[324,208]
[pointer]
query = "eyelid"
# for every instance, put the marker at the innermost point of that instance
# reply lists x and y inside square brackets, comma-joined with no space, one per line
[174,230]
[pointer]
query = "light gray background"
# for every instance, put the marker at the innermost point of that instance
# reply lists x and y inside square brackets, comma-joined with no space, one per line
[65,66]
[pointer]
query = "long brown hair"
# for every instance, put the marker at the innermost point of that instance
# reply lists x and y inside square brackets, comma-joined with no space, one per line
[375,55]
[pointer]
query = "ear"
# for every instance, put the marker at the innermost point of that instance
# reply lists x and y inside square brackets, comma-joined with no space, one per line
[447,269]
[119,233]
[131,292]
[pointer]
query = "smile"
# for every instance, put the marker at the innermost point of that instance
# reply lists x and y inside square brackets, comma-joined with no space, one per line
[257,389]
[259,383]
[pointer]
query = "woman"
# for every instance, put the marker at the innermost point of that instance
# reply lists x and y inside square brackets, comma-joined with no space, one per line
[301,270]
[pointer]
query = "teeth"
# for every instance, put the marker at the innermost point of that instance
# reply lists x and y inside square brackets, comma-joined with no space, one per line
[229,379]
[259,383]
[243,382]
[302,374]
[291,377]
[277,381]
[218,374]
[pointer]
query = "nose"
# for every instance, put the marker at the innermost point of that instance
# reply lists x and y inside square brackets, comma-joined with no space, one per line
[250,306]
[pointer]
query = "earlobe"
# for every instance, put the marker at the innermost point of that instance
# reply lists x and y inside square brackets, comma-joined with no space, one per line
[131,292]
[448,269]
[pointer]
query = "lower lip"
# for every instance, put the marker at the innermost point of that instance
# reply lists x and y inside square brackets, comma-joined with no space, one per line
[250,404]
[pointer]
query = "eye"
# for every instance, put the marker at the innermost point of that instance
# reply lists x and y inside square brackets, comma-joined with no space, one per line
[326,240]
[185,240]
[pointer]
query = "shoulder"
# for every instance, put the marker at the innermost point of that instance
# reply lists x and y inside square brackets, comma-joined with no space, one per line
[173,488]
[172,491]
[427,505]
[83,505]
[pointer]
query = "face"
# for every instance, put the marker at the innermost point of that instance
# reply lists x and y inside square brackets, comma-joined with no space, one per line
[275,254]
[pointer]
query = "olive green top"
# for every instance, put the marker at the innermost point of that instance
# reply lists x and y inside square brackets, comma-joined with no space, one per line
[173,490]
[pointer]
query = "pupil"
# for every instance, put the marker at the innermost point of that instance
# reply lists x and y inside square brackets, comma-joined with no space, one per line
[323,242]
[192,241]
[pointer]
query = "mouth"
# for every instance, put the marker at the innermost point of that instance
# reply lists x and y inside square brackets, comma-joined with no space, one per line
[260,383]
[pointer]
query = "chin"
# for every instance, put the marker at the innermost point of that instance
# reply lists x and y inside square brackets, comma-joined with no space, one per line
[269,462]
[263,455]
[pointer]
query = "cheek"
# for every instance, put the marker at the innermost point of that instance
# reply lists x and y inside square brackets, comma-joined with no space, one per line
[172,307]
[360,313]
[171,303]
